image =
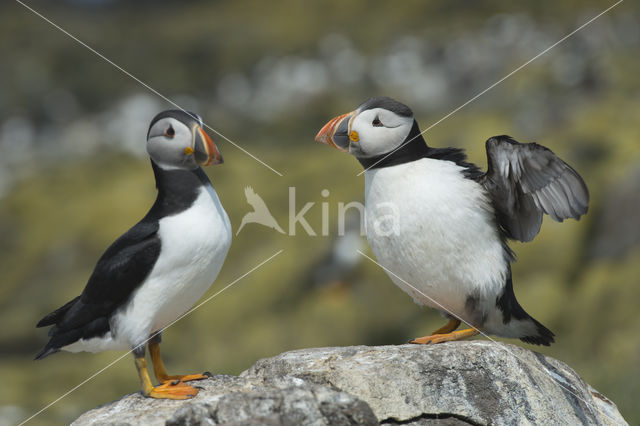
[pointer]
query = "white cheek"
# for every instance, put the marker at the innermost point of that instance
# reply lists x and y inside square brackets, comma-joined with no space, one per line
[169,153]
[381,140]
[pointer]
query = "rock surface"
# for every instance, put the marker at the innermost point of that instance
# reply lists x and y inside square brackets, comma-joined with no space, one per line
[474,382]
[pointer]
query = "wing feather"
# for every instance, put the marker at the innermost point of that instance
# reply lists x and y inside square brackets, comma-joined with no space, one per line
[527,180]
[118,273]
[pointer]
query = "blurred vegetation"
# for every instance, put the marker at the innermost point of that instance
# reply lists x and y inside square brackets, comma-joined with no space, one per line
[64,203]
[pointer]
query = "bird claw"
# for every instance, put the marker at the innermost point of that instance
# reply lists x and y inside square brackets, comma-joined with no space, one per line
[186,378]
[418,341]
[446,337]
[173,391]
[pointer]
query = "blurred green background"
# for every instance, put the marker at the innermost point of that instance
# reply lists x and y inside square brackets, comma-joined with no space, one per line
[74,174]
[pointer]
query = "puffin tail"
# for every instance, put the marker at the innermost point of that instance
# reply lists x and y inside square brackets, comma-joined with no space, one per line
[52,319]
[45,352]
[516,322]
[57,315]
[544,336]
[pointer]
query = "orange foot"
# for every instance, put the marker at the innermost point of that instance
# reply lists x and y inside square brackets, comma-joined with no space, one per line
[448,337]
[185,377]
[173,390]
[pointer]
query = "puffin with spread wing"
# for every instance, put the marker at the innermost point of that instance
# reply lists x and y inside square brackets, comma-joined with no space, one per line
[439,226]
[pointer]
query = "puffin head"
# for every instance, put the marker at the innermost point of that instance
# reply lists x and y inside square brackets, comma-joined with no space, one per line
[176,140]
[376,127]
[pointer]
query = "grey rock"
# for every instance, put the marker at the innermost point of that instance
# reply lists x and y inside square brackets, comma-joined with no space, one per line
[229,400]
[473,382]
[476,382]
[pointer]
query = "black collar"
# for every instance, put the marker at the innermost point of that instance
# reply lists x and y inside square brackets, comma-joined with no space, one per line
[409,151]
[177,189]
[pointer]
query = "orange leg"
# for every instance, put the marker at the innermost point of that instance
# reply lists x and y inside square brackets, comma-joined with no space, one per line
[161,372]
[167,390]
[447,336]
[448,327]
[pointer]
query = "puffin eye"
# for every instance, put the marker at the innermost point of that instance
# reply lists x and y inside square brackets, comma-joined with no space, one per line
[376,122]
[170,133]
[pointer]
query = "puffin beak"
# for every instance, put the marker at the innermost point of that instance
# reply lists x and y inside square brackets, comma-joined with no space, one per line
[336,132]
[205,151]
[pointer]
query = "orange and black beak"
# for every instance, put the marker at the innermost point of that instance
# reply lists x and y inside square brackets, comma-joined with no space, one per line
[205,152]
[336,132]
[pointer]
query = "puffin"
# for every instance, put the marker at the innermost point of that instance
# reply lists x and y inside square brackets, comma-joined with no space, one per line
[440,227]
[157,270]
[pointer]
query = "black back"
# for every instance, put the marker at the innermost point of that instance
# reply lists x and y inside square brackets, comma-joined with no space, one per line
[124,265]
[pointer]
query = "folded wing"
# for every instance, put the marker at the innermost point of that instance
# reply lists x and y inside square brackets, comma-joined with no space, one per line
[527,180]
[118,273]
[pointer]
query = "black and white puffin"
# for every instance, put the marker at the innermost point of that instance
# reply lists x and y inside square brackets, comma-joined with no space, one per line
[159,268]
[439,226]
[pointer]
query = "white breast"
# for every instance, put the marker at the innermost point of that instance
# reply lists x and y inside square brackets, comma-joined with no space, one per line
[441,236]
[195,243]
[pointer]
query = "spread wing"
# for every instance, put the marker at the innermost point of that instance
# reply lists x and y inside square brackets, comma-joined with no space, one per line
[120,270]
[527,180]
